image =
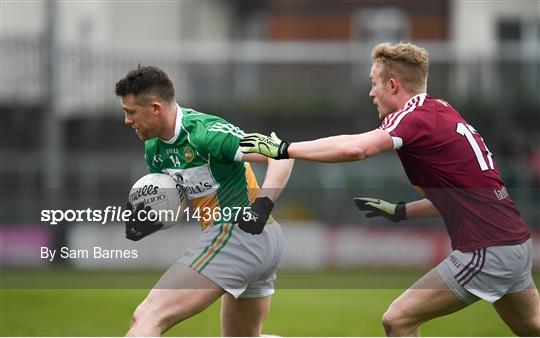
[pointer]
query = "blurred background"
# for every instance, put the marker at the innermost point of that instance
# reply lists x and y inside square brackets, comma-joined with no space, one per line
[300,68]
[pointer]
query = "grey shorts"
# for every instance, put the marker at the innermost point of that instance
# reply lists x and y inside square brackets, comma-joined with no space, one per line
[488,273]
[243,264]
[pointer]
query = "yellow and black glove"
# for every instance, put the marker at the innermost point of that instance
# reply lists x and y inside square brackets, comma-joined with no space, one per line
[377,207]
[269,146]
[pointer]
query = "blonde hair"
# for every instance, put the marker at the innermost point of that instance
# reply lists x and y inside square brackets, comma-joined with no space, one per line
[404,61]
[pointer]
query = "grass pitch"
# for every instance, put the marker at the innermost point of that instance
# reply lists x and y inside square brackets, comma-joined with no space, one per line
[330,303]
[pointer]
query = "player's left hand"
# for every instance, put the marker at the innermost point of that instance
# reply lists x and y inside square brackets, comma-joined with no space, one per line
[269,146]
[138,227]
[377,207]
[255,220]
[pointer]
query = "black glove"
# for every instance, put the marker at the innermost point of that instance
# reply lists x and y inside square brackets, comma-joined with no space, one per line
[377,207]
[255,220]
[137,228]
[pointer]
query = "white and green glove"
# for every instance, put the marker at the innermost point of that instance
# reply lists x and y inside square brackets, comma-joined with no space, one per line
[269,146]
[377,207]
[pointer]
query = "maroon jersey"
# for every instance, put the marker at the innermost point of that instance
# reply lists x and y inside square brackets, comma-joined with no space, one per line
[446,158]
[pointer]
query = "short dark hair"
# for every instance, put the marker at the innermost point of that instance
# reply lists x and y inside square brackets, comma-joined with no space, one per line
[146,81]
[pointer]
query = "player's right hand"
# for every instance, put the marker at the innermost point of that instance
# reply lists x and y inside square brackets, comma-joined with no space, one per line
[269,146]
[377,207]
[259,212]
[138,226]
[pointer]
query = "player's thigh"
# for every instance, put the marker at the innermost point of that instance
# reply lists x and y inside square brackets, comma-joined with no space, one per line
[243,316]
[521,311]
[179,294]
[180,276]
[427,298]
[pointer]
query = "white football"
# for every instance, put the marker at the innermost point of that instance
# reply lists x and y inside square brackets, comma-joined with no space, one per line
[163,195]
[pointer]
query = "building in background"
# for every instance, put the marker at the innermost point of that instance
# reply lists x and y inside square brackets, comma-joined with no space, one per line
[99,40]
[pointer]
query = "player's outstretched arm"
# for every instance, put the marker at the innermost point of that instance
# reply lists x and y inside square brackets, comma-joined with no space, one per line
[342,148]
[397,212]
[422,209]
[277,176]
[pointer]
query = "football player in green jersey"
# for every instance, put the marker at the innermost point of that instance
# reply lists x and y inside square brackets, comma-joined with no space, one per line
[238,253]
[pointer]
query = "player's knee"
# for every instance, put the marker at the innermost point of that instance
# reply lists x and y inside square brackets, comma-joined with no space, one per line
[390,321]
[396,322]
[140,317]
[142,328]
[144,321]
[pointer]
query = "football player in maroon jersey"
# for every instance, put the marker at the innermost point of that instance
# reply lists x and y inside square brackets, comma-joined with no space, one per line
[447,161]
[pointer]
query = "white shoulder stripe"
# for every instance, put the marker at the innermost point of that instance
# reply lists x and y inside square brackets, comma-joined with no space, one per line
[390,118]
[393,125]
[233,128]
[227,130]
[227,126]
[393,120]
[422,99]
